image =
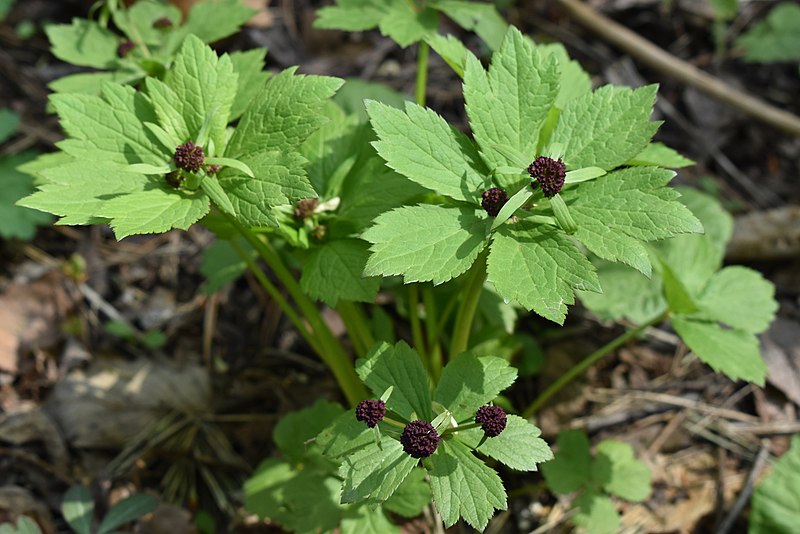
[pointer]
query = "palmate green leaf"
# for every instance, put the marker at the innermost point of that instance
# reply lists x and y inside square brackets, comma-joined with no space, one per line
[17,222]
[420,145]
[412,496]
[333,272]
[365,520]
[351,15]
[212,20]
[373,473]
[606,128]
[249,66]
[596,514]
[153,210]
[518,446]
[574,81]
[344,436]
[137,20]
[84,43]
[398,366]
[468,382]
[279,180]
[627,293]
[76,192]
[463,486]
[91,82]
[659,154]
[112,124]
[735,353]
[451,49]
[370,190]
[539,268]
[168,105]
[740,298]
[283,114]
[296,430]
[570,469]
[618,211]
[205,85]
[333,149]
[405,24]
[619,473]
[776,501]
[425,243]
[480,17]
[508,105]
[695,258]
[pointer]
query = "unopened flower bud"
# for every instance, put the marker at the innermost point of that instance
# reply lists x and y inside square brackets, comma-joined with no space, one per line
[549,174]
[371,411]
[492,420]
[189,157]
[493,200]
[419,439]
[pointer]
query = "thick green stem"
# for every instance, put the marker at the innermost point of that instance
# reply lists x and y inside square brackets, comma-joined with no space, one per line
[416,325]
[326,345]
[581,367]
[356,323]
[431,329]
[277,296]
[476,276]
[422,71]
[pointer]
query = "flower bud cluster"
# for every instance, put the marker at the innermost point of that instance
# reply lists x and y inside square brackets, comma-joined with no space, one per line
[189,157]
[493,200]
[549,174]
[371,411]
[492,420]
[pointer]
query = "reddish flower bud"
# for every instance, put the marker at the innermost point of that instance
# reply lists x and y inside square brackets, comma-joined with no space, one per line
[549,174]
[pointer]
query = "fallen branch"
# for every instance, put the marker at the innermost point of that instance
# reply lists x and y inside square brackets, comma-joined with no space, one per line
[646,52]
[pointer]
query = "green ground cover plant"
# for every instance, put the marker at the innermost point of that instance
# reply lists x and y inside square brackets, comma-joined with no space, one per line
[557,193]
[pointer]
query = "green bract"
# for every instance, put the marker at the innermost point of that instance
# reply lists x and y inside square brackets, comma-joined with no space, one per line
[518,110]
[151,34]
[121,146]
[462,484]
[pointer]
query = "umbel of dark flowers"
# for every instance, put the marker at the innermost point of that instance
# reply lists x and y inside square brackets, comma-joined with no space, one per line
[549,174]
[493,200]
[189,157]
[419,439]
[492,420]
[371,411]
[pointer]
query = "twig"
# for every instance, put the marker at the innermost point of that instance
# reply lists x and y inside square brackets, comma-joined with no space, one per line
[741,500]
[655,57]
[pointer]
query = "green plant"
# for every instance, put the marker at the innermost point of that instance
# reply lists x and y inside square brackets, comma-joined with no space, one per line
[559,191]
[776,38]
[611,471]
[16,222]
[78,511]
[24,525]
[776,500]
[147,36]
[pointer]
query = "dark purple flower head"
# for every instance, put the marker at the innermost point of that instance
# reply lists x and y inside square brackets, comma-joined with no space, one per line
[163,22]
[419,439]
[305,208]
[493,200]
[125,47]
[189,157]
[549,174]
[371,411]
[492,420]
[213,169]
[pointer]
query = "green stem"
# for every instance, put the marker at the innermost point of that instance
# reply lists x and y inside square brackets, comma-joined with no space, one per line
[422,71]
[476,276]
[416,325]
[356,323]
[431,323]
[326,345]
[581,367]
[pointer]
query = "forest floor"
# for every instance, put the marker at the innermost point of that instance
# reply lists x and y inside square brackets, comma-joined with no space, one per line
[74,390]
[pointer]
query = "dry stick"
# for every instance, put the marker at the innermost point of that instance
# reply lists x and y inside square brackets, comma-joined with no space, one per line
[758,465]
[655,57]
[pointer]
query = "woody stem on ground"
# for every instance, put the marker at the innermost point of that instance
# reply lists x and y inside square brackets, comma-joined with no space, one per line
[581,367]
[475,278]
[422,72]
[324,343]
